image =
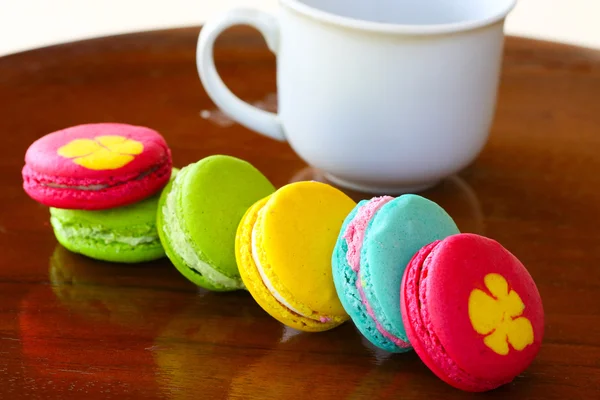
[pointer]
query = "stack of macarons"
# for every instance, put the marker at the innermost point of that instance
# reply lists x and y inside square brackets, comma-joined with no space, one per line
[307,253]
[101,182]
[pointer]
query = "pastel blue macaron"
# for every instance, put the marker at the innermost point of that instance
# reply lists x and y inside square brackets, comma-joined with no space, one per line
[376,242]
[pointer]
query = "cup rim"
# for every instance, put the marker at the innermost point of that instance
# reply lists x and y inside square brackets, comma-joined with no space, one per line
[416,30]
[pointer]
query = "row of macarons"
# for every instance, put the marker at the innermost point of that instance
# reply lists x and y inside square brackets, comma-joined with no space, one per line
[308,254]
[401,271]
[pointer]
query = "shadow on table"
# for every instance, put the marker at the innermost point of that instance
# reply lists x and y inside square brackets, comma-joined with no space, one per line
[454,194]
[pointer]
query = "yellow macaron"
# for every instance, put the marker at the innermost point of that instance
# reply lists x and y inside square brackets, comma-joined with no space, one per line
[283,249]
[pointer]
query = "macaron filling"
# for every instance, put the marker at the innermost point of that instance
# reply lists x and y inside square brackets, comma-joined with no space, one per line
[354,236]
[415,298]
[94,187]
[90,187]
[177,237]
[98,233]
[269,285]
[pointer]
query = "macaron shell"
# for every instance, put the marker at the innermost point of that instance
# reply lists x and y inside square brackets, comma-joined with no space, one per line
[344,279]
[254,283]
[141,213]
[459,267]
[297,232]
[396,232]
[213,198]
[43,155]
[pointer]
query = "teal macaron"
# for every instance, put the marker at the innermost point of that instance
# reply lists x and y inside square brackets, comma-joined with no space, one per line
[198,216]
[376,243]
[123,234]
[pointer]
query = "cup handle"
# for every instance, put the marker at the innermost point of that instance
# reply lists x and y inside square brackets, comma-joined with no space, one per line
[266,123]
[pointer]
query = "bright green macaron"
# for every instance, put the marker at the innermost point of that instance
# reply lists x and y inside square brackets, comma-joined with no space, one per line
[123,234]
[198,216]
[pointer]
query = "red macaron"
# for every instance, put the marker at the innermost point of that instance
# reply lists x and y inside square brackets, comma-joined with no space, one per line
[472,312]
[96,166]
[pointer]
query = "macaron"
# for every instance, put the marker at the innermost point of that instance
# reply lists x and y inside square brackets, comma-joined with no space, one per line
[124,234]
[96,166]
[472,312]
[198,216]
[283,249]
[376,242]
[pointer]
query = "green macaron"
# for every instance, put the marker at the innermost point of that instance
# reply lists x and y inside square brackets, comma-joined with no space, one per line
[199,212]
[124,234]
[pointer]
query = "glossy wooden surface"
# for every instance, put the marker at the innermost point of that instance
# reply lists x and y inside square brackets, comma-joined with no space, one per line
[74,328]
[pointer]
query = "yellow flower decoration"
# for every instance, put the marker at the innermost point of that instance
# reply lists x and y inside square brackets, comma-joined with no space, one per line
[498,316]
[102,152]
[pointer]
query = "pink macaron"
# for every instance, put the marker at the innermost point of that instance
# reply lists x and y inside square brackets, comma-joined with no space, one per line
[472,312]
[96,166]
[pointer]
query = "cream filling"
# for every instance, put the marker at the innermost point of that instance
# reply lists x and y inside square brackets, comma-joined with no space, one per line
[90,187]
[95,188]
[267,281]
[107,237]
[179,241]
[100,186]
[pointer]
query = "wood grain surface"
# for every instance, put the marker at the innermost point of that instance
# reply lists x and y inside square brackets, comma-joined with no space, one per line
[74,328]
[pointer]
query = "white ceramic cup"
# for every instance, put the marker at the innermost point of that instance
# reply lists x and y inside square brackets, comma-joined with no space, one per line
[383,96]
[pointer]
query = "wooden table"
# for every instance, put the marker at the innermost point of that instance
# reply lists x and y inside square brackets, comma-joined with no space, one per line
[74,328]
